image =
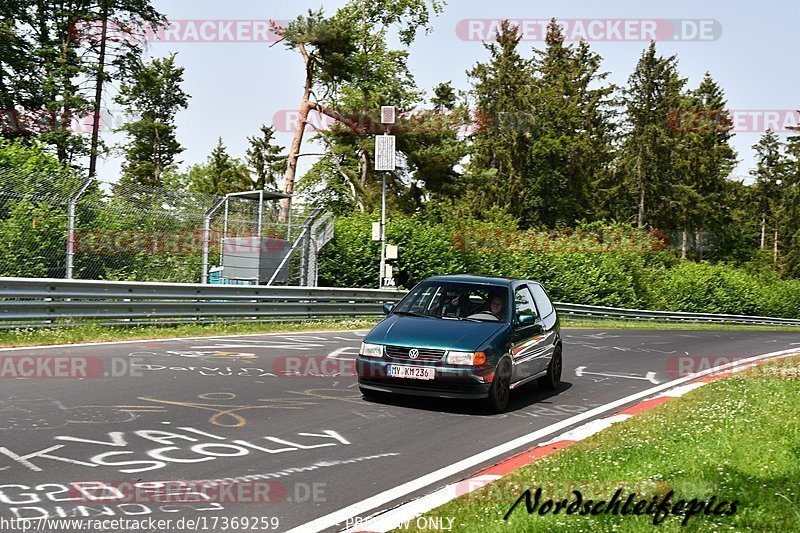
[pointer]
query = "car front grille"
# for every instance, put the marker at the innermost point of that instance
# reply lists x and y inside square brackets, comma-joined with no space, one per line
[425,354]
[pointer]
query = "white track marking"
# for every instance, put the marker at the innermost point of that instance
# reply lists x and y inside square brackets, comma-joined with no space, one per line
[588,429]
[650,376]
[343,351]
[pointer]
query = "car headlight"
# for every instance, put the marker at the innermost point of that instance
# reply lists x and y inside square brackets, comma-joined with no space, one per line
[371,350]
[465,358]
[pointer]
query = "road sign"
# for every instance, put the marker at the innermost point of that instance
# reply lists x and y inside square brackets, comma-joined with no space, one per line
[391,251]
[388,114]
[376,231]
[385,153]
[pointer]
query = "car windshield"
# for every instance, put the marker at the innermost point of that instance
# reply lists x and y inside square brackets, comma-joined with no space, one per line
[456,301]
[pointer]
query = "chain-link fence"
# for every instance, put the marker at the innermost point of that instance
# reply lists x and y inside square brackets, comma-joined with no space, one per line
[136,233]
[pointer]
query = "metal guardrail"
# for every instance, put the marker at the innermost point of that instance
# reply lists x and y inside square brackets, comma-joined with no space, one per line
[591,311]
[28,302]
[33,302]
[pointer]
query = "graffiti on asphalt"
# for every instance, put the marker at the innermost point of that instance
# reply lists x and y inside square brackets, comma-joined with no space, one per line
[48,413]
[227,414]
[223,371]
[188,446]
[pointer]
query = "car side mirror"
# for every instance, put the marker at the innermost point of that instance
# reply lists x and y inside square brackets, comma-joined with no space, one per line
[387,308]
[526,320]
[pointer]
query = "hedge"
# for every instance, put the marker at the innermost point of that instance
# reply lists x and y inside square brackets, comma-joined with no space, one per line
[645,279]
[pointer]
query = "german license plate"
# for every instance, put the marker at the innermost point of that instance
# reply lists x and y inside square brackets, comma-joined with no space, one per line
[410,372]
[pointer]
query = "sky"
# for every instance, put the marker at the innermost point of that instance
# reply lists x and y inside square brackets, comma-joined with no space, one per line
[238,82]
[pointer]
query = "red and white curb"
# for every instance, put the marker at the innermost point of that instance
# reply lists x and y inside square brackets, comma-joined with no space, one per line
[408,512]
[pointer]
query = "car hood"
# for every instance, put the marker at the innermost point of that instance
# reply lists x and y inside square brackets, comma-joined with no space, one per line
[423,332]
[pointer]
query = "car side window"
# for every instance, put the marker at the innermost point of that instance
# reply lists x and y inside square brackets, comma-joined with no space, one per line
[542,301]
[523,303]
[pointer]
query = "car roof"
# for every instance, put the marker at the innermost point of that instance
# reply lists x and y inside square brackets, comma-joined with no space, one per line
[469,278]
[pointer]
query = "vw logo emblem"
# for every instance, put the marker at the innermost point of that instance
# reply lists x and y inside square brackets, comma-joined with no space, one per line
[413,353]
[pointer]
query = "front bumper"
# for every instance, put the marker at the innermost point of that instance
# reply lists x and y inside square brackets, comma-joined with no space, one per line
[451,381]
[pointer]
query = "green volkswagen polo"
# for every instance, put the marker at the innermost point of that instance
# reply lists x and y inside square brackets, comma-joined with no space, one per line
[464,337]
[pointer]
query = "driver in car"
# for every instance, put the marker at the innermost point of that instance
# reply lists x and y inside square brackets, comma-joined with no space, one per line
[496,306]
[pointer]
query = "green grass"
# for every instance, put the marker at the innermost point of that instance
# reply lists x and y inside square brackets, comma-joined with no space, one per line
[735,438]
[97,333]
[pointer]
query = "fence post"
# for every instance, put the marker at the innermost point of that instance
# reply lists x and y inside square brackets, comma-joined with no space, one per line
[73,203]
[207,237]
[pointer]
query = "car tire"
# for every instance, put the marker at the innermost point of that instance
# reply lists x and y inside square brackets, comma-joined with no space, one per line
[552,379]
[500,390]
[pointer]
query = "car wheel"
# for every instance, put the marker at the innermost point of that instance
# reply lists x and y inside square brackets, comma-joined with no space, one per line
[552,380]
[500,390]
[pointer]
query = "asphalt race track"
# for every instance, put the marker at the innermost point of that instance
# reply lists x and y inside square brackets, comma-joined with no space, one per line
[284,409]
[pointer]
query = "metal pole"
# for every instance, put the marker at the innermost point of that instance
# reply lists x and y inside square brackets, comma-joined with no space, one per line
[260,215]
[224,233]
[383,230]
[206,239]
[306,227]
[71,208]
[289,222]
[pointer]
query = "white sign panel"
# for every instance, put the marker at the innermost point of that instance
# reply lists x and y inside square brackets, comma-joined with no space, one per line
[391,251]
[385,153]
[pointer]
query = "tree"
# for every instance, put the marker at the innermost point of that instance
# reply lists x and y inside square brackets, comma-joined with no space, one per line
[500,148]
[347,63]
[770,171]
[647,159]
[221,174]
[571,112]
[705,159]
[54,69]
[34,189]
[790,223]
[154,96]
[264,159]
[444,97]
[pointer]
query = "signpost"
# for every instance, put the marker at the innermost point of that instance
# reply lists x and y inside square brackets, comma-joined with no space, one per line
[385,161]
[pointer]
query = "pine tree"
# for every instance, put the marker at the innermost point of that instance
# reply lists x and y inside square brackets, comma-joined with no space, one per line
[221,174]
[572,113]
[350,71]
[705,159]
[444,97]
[648,153]
[501,143]
[154,96]
[790,223]
[264,159]
[770,171]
